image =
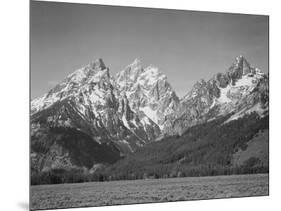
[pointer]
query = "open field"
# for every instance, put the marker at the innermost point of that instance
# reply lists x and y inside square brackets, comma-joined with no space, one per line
[145,191]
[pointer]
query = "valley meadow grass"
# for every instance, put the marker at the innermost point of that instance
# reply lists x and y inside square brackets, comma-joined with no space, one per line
[147,191]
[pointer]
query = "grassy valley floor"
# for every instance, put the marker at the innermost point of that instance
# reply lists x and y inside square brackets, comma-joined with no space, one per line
[147,191]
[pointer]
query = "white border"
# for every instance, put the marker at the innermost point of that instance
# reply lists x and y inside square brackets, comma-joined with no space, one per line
[14,86]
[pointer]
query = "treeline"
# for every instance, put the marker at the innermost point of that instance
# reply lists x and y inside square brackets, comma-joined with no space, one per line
[59,176]
[203,150]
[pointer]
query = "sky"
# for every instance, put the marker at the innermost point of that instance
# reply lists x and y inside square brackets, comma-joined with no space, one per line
[185,45]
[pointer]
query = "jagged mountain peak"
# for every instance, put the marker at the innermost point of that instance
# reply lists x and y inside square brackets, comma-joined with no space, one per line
[136,73]
[153,71]
[148,91]
[239,58]
[242,62]
[92,72]
[240,66]
[240,70]
[199,83]
[93,68]
[98,64]
[241,89]
[95,105]
[139,105]
[130,73]
[137,61]
[94,78]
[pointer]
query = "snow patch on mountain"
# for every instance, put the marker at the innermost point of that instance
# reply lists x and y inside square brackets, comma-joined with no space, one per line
[258,108]
[125,122]
[145,120]
[150,113]
[223,95]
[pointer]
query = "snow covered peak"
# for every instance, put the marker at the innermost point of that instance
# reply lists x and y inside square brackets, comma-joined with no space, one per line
[136,77]
[136,62]
[240,74]
[241,89]
[91,79]
[148,91]
[82,74]
[151,75]
[130,74]
[152,70]
[134,66]
[240,67]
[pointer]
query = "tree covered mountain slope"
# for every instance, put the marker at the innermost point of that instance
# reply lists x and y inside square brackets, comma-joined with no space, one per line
[212,148]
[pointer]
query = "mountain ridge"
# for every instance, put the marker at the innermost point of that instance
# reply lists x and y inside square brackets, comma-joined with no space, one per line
[137,106]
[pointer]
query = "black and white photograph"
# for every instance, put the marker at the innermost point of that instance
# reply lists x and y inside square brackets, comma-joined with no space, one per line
[134,105]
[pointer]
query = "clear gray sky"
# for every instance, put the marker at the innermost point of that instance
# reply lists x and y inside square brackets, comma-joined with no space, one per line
[185,45]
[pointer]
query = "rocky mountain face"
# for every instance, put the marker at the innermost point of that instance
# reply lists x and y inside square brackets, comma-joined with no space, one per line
[88,102]
[241,90]
[93,118]
[148,91]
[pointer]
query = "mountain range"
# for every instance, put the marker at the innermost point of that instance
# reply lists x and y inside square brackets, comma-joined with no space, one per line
[92,119]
